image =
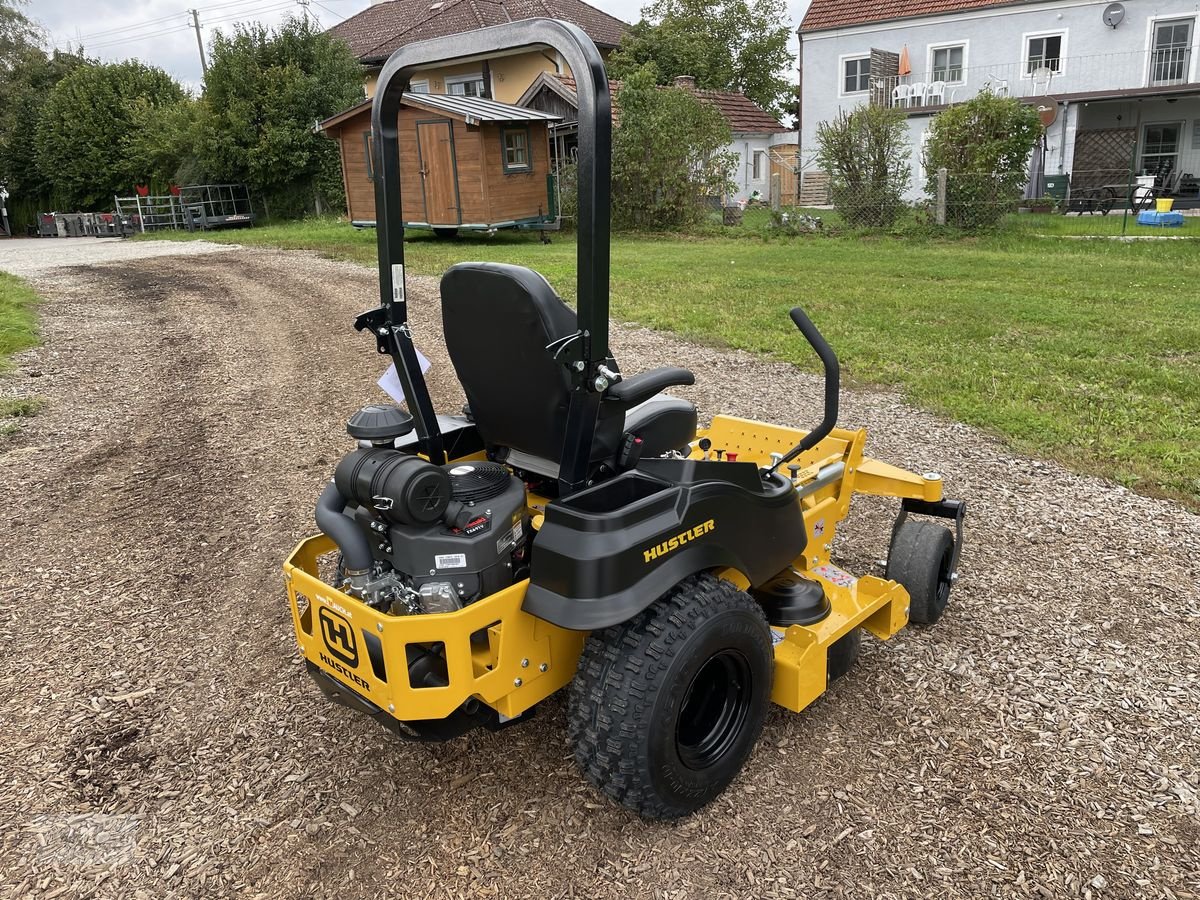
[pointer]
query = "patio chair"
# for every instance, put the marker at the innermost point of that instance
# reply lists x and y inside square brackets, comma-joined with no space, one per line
[937,93]
[917,97]
[900,95]
[1041,80]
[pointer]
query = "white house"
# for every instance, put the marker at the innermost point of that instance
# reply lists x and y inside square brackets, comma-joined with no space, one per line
[755,131]
[1120,81]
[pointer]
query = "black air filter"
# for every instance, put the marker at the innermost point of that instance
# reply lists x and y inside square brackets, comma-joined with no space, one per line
[475,482]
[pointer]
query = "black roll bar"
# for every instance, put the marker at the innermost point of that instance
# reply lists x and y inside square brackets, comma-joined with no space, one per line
[390,322]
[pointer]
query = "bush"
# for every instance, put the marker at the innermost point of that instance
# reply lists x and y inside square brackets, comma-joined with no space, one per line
[668,155]
[88,130]
[984,145]
[866,154]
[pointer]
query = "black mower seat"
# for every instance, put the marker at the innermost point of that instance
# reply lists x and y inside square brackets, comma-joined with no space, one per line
[504,325]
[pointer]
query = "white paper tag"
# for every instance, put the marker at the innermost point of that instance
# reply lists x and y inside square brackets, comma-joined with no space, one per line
[390,380]
[398,283]
[450,561]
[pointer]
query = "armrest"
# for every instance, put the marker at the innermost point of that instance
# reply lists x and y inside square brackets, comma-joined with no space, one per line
[640,388]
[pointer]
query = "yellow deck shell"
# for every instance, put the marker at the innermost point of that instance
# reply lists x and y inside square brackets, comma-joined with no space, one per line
[511,660]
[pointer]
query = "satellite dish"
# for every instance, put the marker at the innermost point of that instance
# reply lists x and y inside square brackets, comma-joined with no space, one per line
[1047,111]
[1114,14]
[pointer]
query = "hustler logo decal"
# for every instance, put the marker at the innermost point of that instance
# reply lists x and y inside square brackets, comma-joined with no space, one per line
[660,550]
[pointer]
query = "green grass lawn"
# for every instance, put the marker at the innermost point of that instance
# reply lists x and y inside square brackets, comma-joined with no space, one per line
[1087,351]
[18,331]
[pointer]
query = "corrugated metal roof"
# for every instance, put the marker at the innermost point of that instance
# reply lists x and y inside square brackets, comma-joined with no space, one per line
[473,109]
[477,109]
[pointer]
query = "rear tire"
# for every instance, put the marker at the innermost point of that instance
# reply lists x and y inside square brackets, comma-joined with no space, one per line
[665,708]
[920,558]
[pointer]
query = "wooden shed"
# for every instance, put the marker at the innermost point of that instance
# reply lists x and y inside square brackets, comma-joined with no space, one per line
[466,163]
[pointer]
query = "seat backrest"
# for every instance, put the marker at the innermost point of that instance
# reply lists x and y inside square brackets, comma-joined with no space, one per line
[503,325]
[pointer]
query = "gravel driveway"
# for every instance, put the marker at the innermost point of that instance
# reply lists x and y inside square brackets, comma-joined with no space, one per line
[158,736]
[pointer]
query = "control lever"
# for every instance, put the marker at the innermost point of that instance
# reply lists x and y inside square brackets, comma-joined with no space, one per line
[832,382]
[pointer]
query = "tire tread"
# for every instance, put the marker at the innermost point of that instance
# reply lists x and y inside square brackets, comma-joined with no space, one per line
[612,695]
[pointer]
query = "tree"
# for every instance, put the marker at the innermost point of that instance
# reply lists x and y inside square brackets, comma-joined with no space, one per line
[667,156]
[984,145]
[264,92]
[17,34]
[866,154]
[728,45]
[23,94]
[88,129]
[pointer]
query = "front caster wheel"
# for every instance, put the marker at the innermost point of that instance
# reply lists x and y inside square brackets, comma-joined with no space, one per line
[920,558]
[665,708]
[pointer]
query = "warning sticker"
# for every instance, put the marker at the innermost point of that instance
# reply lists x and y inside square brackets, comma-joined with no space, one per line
[838,576]
[776,637]
[450,561]
[505,541]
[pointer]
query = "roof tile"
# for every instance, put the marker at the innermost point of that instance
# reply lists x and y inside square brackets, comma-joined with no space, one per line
[743,114]
[379,30]
[827,14]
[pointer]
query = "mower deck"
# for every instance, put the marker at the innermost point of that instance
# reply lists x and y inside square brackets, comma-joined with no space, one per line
[510,660]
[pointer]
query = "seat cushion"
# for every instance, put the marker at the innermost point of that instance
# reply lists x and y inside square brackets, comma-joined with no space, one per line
[663,423]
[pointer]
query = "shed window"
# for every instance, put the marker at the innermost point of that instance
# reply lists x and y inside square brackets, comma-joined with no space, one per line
[759,165]
[516,150]
[369,153]
[948,63]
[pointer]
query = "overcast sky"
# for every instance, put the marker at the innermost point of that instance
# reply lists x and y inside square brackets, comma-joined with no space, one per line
[160,32]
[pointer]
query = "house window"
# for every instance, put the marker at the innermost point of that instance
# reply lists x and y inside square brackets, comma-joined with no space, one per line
[759,165]
[1043,52]
[418,87]
[1160,148]
[516,150]
[369,153]
[856,75]
[1172,53]
[947,63]
[465,85]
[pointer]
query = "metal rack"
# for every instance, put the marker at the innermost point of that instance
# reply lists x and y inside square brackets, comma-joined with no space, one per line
[196,207]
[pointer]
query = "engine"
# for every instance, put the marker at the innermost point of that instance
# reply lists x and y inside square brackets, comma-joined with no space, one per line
[419,538]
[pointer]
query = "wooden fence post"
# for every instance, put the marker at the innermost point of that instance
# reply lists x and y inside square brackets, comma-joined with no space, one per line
[776,190]
[940,203]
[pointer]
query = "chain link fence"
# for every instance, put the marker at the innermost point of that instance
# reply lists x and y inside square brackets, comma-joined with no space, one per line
[1092,202]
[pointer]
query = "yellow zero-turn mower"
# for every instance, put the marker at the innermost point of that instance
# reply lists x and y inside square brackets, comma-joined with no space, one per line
[573,528]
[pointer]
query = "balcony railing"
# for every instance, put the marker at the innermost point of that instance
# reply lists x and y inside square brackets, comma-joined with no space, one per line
[1162,67]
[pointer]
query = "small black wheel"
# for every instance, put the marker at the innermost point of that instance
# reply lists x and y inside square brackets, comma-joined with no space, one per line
[841,655]
[445,234]
[920,558]
[665,708]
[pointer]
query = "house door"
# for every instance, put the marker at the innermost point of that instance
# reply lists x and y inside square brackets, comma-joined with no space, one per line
[435,147]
